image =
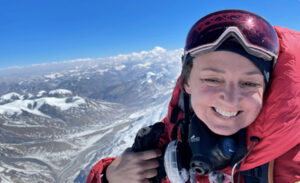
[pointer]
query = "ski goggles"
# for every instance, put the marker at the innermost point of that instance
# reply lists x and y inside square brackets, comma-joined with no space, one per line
[251,31]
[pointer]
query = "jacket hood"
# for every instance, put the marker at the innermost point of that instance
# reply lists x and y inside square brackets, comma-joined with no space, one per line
[278,124]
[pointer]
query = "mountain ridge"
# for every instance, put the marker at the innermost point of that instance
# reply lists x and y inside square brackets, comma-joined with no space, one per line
[57,120]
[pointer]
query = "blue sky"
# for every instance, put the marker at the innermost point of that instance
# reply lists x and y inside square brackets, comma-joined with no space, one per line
[39,31]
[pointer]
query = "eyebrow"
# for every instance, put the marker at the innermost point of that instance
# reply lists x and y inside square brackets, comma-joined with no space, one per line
[222,71]
[253,73]
[212,69]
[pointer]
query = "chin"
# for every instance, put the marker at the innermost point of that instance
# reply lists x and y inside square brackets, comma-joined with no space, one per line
[223,131]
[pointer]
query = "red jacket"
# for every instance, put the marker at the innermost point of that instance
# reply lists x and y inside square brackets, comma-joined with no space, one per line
[278,125]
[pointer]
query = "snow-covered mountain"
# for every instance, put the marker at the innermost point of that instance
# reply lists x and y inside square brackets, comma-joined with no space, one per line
[15,104]
[102,78]
[57,120]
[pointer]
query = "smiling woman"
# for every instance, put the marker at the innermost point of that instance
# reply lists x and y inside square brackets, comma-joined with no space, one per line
[226,91]
[228,117]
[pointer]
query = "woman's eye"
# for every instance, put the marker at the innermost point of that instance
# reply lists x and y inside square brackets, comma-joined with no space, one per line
[250,84]
[212,80]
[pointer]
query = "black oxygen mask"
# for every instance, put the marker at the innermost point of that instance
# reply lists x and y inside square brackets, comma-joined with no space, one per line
[209,151]
[200,152]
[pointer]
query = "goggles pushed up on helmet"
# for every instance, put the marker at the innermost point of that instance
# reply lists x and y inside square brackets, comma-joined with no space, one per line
[252,32]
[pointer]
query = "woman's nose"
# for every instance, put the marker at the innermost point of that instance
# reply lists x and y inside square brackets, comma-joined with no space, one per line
[231,94]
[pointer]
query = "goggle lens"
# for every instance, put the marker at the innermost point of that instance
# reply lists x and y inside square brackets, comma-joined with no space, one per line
[254,32]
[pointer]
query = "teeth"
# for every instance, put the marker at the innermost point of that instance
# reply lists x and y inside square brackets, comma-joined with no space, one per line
[226,114]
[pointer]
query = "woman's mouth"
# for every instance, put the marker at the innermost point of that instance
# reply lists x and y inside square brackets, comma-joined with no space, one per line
[226,113]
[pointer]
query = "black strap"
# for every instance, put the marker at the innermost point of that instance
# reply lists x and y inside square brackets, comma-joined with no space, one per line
[175,129]
[186,107]
[240,138]
[256,175]
[103,176]
[174,114]
[182,123]
[184,128]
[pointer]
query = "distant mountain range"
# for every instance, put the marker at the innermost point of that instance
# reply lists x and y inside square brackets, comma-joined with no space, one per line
[57,120]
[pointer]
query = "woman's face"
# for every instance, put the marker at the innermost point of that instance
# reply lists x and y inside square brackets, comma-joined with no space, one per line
[226,91]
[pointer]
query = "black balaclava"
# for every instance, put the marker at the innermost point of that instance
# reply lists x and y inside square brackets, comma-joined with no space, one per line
[264,66]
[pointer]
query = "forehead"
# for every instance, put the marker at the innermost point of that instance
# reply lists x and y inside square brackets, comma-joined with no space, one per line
[225,60]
